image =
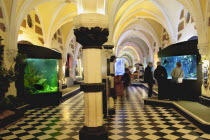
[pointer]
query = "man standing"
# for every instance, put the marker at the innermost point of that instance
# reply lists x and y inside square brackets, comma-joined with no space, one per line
[148,78]
[161,76]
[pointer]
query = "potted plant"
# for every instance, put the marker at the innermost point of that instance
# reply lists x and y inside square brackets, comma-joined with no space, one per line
[8,105]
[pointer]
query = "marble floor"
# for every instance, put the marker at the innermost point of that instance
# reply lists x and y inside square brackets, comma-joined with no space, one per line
[133,121]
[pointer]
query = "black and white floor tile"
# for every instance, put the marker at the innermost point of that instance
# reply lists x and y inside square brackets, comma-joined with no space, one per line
[132,121]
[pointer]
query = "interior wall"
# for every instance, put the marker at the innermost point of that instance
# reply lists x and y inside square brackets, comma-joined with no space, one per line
[186,28]
[2,26]
[206,91]
[31,29]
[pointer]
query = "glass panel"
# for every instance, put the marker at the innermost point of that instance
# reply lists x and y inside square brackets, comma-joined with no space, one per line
[41,76]
[189,65]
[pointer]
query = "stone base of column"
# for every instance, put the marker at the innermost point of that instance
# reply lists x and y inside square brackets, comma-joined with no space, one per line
[113,93]
[111,111]
[93,133]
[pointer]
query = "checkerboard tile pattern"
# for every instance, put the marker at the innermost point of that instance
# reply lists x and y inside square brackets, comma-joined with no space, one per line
[132,121]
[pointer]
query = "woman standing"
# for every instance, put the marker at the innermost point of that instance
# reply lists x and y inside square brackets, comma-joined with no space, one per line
[176,74]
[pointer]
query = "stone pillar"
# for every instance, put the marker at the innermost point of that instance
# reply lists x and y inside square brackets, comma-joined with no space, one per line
[108,49]
[112,74]
[204,51]
[109,52]
[92,37]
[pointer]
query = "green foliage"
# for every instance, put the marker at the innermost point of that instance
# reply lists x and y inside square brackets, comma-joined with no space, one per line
[31,77]
[8,76]
[40,76]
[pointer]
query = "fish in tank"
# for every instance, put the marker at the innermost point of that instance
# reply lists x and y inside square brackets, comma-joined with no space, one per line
[41,76]
[189,65]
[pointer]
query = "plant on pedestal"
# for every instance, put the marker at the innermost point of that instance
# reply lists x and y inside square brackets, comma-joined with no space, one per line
[8,76]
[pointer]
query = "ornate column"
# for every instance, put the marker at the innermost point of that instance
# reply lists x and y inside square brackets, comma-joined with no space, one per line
[91,32]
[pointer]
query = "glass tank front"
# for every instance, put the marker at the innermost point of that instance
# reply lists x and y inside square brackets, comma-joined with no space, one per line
[41,76]
[189,65]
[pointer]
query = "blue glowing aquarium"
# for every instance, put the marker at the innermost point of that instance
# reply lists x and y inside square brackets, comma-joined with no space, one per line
[189,65]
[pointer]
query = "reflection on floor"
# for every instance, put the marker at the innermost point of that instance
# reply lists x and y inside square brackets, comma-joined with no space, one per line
[133,121]
[69,89]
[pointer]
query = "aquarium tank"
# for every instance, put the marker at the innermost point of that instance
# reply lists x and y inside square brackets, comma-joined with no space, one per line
[41,76]
[189,65]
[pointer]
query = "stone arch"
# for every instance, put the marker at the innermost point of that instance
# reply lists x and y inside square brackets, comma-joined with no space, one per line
[139,35]
[25,42]
[25,9]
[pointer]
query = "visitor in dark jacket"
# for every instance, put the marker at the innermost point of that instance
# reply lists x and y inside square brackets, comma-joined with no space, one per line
[148,78]
[126,78]
[161,75]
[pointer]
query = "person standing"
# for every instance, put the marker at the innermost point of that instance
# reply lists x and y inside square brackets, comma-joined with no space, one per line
[148,78]
[126,79]
[176,73]
[161,75]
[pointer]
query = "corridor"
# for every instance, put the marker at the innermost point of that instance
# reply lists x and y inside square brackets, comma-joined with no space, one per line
[133,121]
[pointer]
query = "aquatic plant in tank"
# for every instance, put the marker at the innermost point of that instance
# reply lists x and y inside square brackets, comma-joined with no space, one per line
[41,76]
[189,65]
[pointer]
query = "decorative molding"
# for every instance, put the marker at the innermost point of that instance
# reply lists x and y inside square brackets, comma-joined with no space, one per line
[91,20]
[29,21]
[93,37]
[93,87]
[108,47]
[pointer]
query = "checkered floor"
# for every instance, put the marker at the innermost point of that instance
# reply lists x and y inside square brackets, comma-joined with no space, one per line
[133,121]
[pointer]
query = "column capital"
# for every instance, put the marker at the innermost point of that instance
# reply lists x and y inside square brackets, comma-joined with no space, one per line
[91,20]
[93,37]
[108,48]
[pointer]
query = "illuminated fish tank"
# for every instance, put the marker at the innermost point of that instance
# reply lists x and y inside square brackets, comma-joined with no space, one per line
[189,65]
[41,76]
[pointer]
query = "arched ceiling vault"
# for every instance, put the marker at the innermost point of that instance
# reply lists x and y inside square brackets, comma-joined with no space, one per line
[124,15]
[53,14]
[137,44]
[136,36]
[138,51]
[143,26]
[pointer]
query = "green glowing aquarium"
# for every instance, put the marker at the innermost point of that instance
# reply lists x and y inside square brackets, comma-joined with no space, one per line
[41,76]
